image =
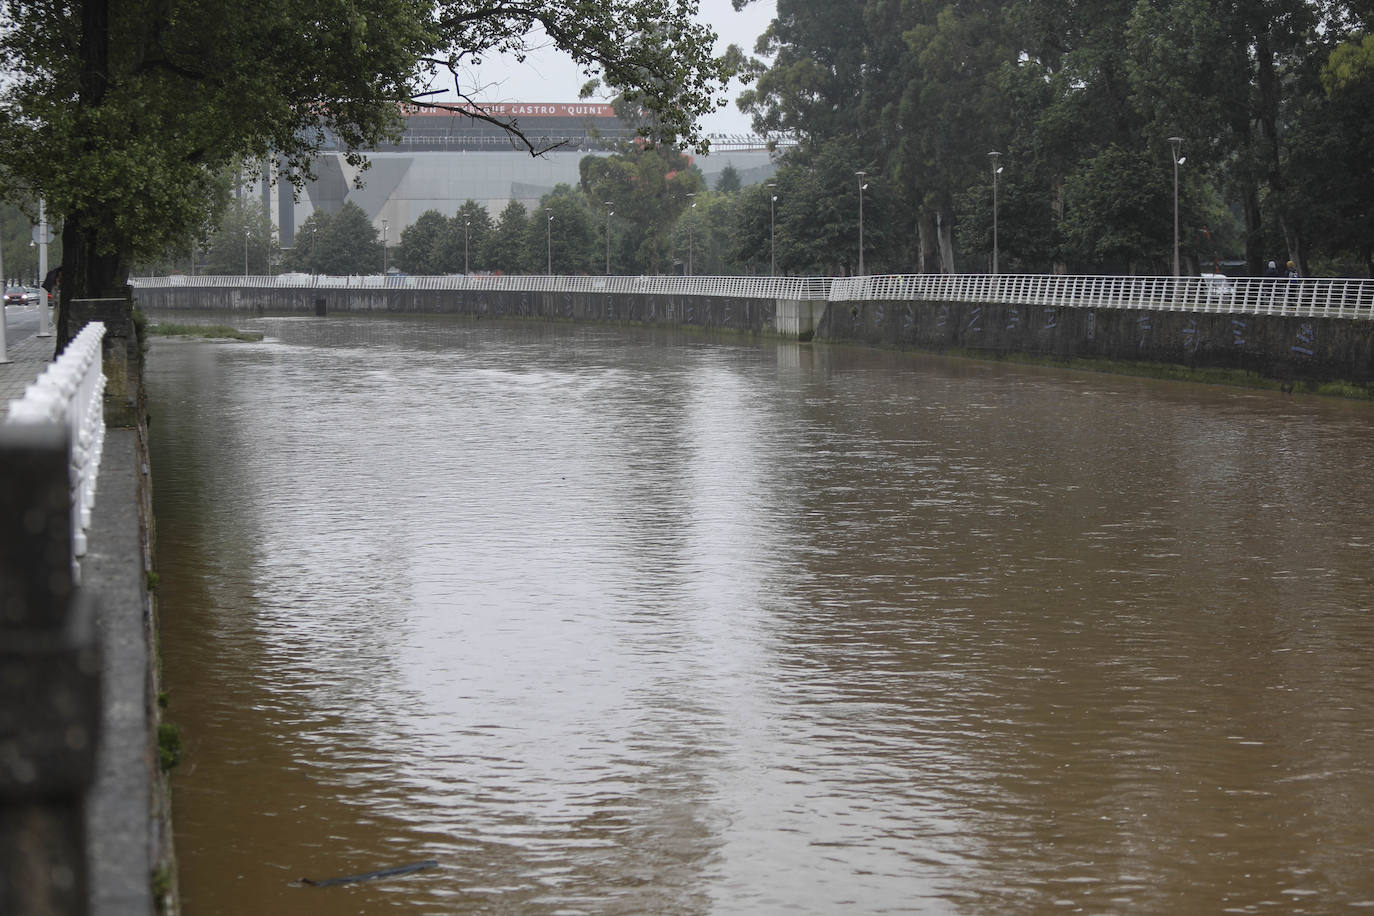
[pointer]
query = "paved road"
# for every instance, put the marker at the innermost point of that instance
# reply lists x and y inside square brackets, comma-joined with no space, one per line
[21,323]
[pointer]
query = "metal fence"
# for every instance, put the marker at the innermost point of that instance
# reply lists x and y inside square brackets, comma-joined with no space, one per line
[1339,298]
[70,394]
[732,287]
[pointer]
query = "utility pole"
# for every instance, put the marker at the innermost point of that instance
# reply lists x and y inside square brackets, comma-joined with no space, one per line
[861,221]
[44,319]
[1174,144]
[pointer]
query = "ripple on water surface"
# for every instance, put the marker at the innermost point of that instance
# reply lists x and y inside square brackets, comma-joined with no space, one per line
[629,622]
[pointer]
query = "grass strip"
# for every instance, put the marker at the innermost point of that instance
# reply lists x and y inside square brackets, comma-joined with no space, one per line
[216,331]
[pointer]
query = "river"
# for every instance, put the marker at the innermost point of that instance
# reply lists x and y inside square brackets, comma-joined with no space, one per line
[620,621]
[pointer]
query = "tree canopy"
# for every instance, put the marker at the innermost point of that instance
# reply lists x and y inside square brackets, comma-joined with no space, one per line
[141,106]
[1269,97]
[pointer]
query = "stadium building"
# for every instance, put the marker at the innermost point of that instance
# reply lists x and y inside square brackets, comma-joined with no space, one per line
[445,158]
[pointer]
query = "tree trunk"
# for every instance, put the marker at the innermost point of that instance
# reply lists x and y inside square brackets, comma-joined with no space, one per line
[929,245]
[1254,230]
[944,223]
[86,274]
[88,271]
[1057,208]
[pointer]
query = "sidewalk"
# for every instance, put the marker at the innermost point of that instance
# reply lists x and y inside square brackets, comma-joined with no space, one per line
[27,361]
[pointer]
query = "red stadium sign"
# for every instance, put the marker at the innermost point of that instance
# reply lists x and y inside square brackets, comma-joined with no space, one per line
[515,110]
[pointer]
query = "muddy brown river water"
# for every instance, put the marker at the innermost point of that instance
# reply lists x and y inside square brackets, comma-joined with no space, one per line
[623,621]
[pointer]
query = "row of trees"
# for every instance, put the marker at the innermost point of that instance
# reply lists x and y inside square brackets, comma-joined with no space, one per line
[17,247]
[1273,101]
[1270,101]
[126,116]
[652,200]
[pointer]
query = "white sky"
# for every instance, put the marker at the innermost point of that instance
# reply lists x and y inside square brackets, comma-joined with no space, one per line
[551,76]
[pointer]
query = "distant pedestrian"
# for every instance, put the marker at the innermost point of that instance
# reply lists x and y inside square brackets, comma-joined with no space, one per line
[1293,274]
[53,281]
[1272,270]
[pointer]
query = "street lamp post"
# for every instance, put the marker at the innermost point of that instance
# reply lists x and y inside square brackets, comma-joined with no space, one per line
[467,224]
[690,196]
[772,232]
[1174,143]
[44,319]
[996,170]
[609,213]
[245,251]
[861,221]
[384,222]
[548,241]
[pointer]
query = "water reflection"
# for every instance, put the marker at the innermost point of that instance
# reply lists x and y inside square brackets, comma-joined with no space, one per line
[618,622]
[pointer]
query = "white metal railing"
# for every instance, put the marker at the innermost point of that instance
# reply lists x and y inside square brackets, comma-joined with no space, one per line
[733,287]
[70,393]
[1338,298]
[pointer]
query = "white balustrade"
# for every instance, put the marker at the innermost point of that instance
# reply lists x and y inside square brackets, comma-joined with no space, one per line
[70,393]
[1322,298]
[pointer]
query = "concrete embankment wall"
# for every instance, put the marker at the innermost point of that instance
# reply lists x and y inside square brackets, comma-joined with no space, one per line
[751,315]
[1276,346]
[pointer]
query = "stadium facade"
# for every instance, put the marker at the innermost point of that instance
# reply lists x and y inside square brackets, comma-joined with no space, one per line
[444,158]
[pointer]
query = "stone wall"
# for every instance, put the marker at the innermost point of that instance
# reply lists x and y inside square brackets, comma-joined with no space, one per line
[749,315]
[1276,346]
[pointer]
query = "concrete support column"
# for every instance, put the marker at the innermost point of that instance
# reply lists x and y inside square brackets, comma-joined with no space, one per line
[799,318]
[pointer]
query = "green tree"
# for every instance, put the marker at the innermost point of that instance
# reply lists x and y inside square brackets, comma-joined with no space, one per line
[1220,74]
[728,181]
[350,244]
[504,251]
[17,227]
[1119,210]
[420,250]
[308,254]
[242,243]
[650,186]
[702,234]
[1329,161]
[464,237]
[142,103]
[561,234]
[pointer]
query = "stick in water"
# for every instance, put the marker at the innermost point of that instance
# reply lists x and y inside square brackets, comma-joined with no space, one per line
[372,875]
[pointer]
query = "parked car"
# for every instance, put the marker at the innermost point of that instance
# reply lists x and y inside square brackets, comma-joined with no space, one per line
[1218,286]
[21,295]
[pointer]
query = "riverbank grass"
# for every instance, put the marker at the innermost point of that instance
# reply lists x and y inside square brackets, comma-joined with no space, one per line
[208,331]
[1208,375]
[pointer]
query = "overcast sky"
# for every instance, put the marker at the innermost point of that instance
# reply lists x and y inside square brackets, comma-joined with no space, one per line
[550,76]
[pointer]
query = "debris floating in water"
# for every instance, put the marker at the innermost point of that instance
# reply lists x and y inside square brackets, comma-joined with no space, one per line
[372,875]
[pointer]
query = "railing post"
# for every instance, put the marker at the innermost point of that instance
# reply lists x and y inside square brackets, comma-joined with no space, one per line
[49,680]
